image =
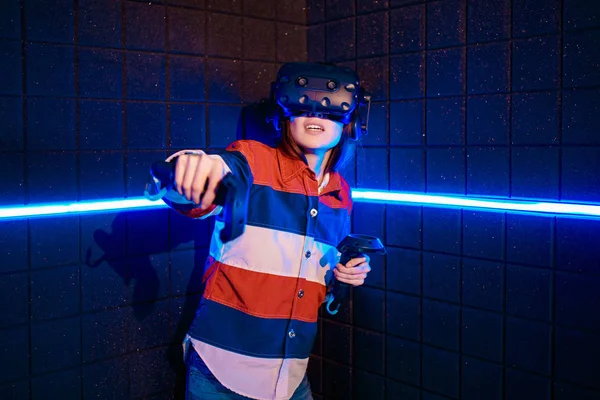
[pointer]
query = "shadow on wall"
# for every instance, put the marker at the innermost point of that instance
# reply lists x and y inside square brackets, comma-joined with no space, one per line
[147,284]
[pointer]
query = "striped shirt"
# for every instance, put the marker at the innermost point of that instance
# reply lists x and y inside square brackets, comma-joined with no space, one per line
[257,320]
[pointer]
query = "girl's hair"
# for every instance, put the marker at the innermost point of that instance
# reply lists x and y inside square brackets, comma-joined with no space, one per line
[341,154]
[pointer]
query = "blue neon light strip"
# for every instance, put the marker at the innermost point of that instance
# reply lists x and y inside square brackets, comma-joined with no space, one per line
[359,195]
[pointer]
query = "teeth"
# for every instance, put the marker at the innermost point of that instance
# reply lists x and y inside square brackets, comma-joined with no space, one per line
[314,127]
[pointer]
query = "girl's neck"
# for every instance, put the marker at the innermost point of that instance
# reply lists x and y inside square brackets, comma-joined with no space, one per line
[317,162]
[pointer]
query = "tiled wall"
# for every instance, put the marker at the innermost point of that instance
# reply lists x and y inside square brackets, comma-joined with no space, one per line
[91,92]
[485,97]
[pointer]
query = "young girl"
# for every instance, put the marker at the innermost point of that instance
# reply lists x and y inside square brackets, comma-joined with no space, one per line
[256,323]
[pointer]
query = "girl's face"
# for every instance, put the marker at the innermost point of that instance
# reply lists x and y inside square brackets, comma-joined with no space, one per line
[315,135]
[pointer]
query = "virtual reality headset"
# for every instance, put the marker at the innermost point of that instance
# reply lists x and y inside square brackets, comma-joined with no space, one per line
[321,90]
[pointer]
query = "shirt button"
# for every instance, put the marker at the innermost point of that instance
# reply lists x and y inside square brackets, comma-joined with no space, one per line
[307,254]
[301,293]
[313,212]
[292,334]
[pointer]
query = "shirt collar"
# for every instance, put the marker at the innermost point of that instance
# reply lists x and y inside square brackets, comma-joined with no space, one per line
[290,167]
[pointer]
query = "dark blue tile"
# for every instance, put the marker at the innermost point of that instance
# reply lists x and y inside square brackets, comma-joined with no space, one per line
[223,122]
[103,283]
[579,114]
[14,299]
[487,120]
[529,240]
[407,76]
[535,118]
[576,298]
[441,277]
[186,79]
[224,35]
[481,380]
[367,385]
[488,20]
[441,371]
[338,33]
[15,390]
[10,19]
[483,235]
[377,130]
[186,31]
[568,391]
[397,390]
[336,9]
[96,375]
[187,124]
[407,29]
[407,170]
[442,230]
[337,340]
[403,226]
[337,380]
[482,334]
[257,85]
[535,64]
[14,245]
[488,171]
[315,41]
[230,6]
[374,76]
[535,173]
[99,24]
[13,188]
[446,170]
[11,81]
[54,241]
[50,70]
[14,344]
[403,316]
[102,238]
[154,363]
[488,67]
[376,278]
[369,219]
[482,285]
[580,14]
[522,385]
[146,128]
[145,76]
[224,77]
[368,306]
[100,73]
[50,124]
[403,271]
[406,122]
[55,345]
[149,281]
[264,9]
[59,385]
[528,292]
[100,125]
[315,11]
[581,59]
[445,122]
[400,3]
[576,357]
[146,232]
[372,35]
[103,334]
[403,360]
[528,345]
[137,166]
[102,174]
[373,169]
[368,351]
[432,396]
[446,72]
[185,266]
[150,331]
[55,293]
[144,26]
[580,182]
[576,248]
[441,326]
[50,21]
[364,6]
[446,22]
[534,17]
[11,120]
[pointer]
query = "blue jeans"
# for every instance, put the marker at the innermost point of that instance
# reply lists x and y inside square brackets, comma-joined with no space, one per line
[201,384]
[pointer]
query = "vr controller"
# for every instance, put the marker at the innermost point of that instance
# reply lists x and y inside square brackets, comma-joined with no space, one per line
[232,195]
[321,90]
[353,246]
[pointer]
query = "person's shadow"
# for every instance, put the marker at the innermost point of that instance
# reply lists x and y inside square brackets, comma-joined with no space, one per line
[138,272]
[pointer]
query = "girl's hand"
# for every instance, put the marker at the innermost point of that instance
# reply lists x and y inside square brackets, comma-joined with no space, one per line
[354,272]
[197,177]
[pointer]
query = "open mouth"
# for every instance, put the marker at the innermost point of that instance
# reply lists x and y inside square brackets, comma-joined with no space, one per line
[314,127]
